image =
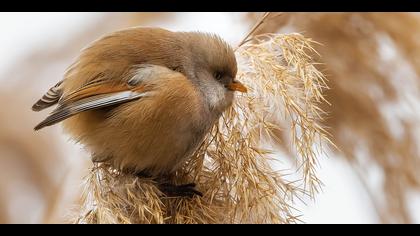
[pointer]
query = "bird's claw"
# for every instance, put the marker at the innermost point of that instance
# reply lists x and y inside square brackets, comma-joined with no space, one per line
[184,190]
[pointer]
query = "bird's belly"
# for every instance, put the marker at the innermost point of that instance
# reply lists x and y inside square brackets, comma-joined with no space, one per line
[163,153]
[157,143]
[153,134]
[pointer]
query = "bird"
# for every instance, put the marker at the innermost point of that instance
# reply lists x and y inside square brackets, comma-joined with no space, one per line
[142,99]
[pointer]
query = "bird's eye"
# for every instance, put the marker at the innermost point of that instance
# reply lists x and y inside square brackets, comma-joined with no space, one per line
[176,68]
[218,75]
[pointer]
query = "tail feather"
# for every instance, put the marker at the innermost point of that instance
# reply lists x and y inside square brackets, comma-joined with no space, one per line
[65,111]
[50,98]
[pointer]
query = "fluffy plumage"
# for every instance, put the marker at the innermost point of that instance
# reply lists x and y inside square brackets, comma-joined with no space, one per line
[143,99]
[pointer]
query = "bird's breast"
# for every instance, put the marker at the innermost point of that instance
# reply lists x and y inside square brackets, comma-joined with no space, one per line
[155,134]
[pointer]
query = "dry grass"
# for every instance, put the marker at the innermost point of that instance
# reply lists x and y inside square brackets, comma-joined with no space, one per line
[372,64]
[232,169]
[360,81]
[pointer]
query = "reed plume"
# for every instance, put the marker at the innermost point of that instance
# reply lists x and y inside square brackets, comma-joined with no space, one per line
[372,65]
[233,167]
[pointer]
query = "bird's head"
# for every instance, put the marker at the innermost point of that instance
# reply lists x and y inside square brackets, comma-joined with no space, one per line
[210,64]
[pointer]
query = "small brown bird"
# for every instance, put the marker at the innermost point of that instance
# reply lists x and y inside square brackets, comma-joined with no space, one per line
[143,99]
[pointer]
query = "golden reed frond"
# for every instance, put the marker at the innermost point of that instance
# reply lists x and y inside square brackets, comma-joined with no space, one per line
[371,61]
[232,168]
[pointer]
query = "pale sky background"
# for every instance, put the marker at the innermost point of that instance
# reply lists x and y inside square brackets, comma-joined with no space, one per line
[342,200]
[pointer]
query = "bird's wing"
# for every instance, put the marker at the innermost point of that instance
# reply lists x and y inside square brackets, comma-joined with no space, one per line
[103,93]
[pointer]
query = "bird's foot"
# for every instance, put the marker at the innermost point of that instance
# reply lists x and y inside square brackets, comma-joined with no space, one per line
[184,190]
[172,190]
[143,175]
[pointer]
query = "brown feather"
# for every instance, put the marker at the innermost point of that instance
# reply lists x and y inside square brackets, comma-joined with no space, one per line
[105,93]
[158,132]
[96,90]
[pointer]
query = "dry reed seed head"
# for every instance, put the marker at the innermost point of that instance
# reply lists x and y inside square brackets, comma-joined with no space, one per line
[372,65]
[289,89]
[232,168]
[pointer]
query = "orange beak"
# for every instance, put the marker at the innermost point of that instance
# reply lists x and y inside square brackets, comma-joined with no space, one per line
[237,86]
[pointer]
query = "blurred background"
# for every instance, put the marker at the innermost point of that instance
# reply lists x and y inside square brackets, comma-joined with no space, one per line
[371,62]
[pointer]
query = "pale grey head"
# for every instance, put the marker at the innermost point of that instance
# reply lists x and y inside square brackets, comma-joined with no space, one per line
[210,64]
